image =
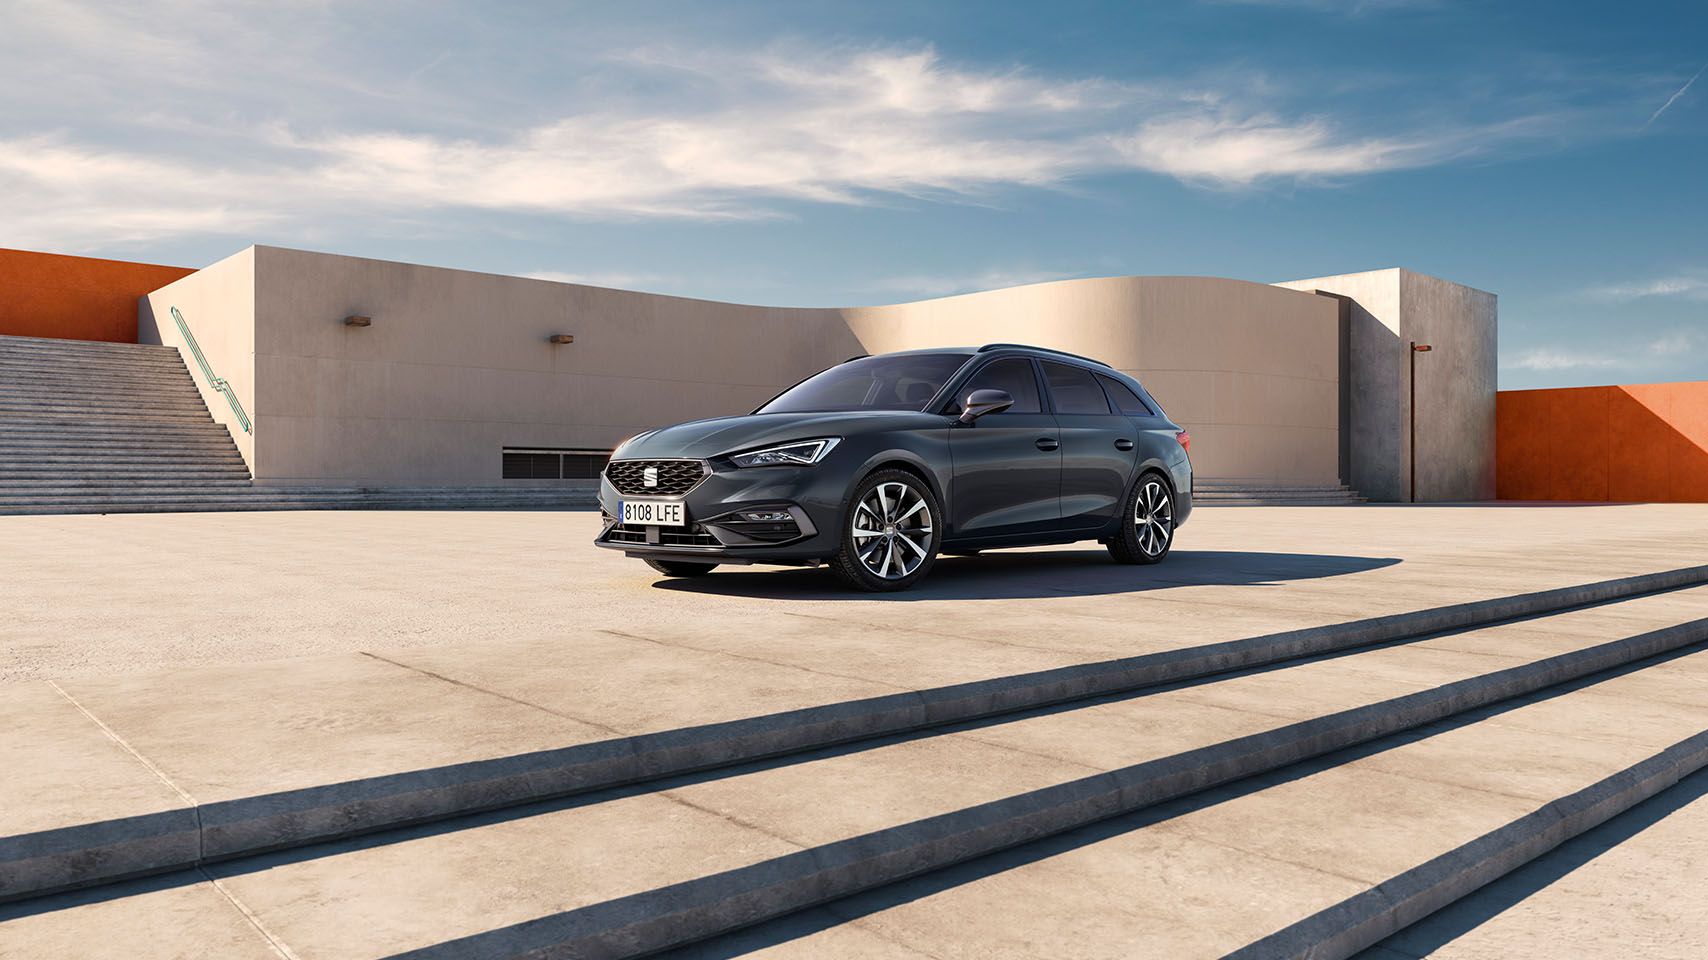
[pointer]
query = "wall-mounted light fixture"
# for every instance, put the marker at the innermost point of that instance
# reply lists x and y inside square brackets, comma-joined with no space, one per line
[1416,348]
[561,338]
[358,321]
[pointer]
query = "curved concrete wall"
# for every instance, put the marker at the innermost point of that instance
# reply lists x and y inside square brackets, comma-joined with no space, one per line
[1251,370]
[457,365]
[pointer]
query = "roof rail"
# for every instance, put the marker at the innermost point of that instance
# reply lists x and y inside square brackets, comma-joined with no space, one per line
[1026,346]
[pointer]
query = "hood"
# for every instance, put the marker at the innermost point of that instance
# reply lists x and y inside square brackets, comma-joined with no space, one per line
[708,438]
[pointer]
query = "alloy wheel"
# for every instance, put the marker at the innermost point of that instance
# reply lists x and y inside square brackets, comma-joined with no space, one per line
[892,529]
[1153,518]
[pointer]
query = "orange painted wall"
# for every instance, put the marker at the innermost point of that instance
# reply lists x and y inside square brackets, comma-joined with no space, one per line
[1641,442]
[75,298]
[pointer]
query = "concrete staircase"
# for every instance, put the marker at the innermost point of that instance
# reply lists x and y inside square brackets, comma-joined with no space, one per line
[1234,492]
[1302,794]
[89,427]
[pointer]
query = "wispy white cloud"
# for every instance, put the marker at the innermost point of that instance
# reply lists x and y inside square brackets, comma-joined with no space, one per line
[1353,7]
[619,280]
[943,285]
[1637,356]
[1675,95]
[1678,343]
[1550,358]
[703,134]
[1689,285]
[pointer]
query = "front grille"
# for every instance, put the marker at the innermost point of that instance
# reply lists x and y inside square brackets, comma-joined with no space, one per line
[695,536]
[675,477]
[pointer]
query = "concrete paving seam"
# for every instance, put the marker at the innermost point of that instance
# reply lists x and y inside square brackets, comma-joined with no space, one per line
[89,854]
[707,906]
[1361,921]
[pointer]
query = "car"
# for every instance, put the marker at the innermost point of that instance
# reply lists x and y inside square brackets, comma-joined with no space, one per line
[880,463]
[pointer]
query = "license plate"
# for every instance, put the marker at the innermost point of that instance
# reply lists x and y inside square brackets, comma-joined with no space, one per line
[653,513]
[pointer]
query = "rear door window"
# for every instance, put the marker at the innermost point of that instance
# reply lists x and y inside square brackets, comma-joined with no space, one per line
[1074,390]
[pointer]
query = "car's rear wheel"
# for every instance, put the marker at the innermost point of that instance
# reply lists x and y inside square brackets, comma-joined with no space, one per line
[681,568]
[1147,525]
[889,538]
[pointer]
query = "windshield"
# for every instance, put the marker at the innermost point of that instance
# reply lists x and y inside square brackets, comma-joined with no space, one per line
[894,382]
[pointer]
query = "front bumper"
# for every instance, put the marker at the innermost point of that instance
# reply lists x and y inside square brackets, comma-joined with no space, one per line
[716,530]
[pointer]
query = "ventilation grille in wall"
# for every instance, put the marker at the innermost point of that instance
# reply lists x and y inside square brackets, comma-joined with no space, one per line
[539,464]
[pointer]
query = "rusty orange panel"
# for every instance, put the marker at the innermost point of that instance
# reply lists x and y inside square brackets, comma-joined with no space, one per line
[75,298]
[1521,448]
[1641,448]
[1578,438]
[1646,442]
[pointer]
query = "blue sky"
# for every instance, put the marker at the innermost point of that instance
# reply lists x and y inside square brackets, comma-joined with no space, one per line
[814,153]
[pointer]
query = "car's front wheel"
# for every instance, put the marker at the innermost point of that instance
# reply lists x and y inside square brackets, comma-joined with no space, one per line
[681,568]
[889,538]
[1147,524]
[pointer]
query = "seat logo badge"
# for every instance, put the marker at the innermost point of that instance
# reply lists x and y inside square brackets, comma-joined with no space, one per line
[649,477]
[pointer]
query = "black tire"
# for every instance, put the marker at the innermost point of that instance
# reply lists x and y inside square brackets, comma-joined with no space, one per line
[1147,522]
[681,568]
[907,536]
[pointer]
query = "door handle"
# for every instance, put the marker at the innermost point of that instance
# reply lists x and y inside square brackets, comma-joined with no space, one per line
[1123,444]
[1047,443]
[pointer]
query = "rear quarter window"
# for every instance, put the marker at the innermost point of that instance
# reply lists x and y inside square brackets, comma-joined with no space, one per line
[1124,399]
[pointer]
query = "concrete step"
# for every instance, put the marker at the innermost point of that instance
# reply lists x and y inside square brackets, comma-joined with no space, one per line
[191,436]
[58,487]
[36,388]
[48,373]
[38,373]
[632,871]
[205,497]
[90,348]
[1264,502]
[73,462]
[104,408]
[82,427]
[1275,497]
[1321,859]
[129,446]
[234,491]
[258,503]
[1630,887]
[1271,492]
[52,406]
[108,414]
[713,723]
[213,489]
[1207,490]
[49,478]
[18,365]
[13,342]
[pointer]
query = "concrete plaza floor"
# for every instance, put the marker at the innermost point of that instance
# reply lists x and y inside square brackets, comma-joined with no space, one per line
[213,663]
[96,596]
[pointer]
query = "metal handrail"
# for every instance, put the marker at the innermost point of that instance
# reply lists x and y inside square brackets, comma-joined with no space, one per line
[217,382]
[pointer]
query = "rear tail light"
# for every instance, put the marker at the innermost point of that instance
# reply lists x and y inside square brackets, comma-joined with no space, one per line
[1185,440]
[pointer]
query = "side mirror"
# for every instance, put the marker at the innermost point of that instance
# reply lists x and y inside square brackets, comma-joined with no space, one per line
[981,402]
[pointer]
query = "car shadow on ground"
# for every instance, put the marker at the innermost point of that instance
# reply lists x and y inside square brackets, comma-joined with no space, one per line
[1034,574]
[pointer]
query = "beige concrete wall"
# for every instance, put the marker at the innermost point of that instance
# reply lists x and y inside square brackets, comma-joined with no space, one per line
[1456,384]
[456,366]
[1249,369]
[218,305]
